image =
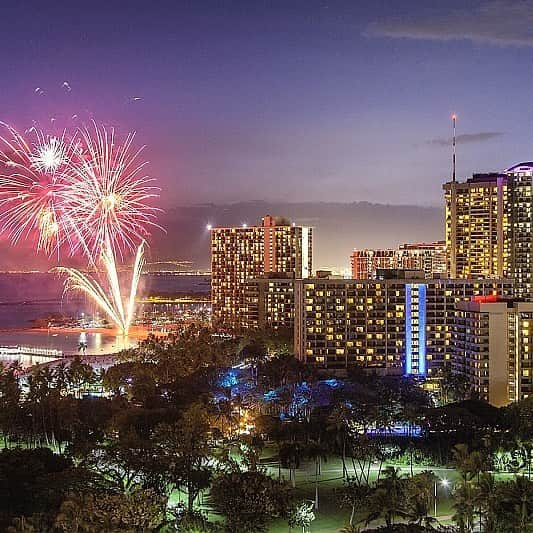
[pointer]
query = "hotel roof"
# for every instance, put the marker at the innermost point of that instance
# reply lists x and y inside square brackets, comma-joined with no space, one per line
[525,167]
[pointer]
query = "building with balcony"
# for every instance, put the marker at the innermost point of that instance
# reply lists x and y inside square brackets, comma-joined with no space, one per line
[489,229]
[400,324]
[492,347]
[240,254]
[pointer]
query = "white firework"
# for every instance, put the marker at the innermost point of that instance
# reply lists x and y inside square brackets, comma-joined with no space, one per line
[49,154]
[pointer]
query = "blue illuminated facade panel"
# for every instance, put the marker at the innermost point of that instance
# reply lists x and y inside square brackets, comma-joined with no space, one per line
[415,329]
[408,330]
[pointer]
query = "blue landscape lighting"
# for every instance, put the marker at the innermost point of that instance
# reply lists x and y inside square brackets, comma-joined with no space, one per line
[228,379]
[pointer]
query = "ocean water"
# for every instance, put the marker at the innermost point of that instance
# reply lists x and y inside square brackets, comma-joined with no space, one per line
[27,297]
[67,342]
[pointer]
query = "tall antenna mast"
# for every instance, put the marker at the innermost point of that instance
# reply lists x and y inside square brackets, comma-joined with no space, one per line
[454,120]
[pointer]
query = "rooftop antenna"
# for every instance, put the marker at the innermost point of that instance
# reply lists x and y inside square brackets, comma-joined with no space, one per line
[454,120]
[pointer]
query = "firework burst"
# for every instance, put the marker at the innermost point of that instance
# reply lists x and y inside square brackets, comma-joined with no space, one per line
[50,155]
[87,191]
[32,186]
[108,193]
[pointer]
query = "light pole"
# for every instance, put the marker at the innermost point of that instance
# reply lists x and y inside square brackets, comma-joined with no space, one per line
[435,499]
[444,483]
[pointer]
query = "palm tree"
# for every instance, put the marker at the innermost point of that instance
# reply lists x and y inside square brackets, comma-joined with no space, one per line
[364,451]
[514,506]
[355,496]
[526,448]
[82,347]
[464,505]
[290,455]
[420,494]
[486,500]
[61,377]
[470,465]
[389,498]
[338,427]
[461,461]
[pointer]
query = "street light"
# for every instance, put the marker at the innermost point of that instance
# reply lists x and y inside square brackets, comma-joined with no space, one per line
[444,484]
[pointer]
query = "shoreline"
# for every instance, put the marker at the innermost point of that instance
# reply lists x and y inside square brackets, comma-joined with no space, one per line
[135,332]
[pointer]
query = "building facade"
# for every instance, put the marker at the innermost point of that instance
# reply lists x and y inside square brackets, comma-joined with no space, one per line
[269,302]
[477,231]
[489,227]
[429,257]
[240,254]
[365,262]
[492,345]
[520,220]
[391,325]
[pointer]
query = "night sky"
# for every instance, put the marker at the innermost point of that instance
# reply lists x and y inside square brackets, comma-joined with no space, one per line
[282,100]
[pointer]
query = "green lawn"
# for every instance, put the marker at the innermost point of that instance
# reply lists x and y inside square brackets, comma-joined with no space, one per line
[330,517]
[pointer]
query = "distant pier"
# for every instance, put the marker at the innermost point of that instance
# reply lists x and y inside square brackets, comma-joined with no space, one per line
[14,351]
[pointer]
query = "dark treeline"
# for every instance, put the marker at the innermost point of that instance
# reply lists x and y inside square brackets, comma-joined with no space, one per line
[226,422]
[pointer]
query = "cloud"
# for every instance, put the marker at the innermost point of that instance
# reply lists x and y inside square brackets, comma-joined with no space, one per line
[496,22]
[467,138]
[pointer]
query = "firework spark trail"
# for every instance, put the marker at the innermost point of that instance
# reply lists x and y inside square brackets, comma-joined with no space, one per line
[136,277]
[107,195]
[113,306]
[86,191]
[78,281]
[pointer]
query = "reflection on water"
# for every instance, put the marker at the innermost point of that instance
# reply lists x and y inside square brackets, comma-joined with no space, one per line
[26,297]
[68,343]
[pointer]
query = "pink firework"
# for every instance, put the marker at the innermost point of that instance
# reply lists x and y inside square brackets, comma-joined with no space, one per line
[107,195]
[32,186]
[87,191]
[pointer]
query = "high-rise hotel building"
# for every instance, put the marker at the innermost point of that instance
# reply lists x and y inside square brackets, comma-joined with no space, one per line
[489,227]
[477,230]
[269,302]
[520,221]
[398,324]
[427,256]
[492,347]
[239,254]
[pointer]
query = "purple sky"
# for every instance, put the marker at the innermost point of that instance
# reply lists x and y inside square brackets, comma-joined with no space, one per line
[283,100]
